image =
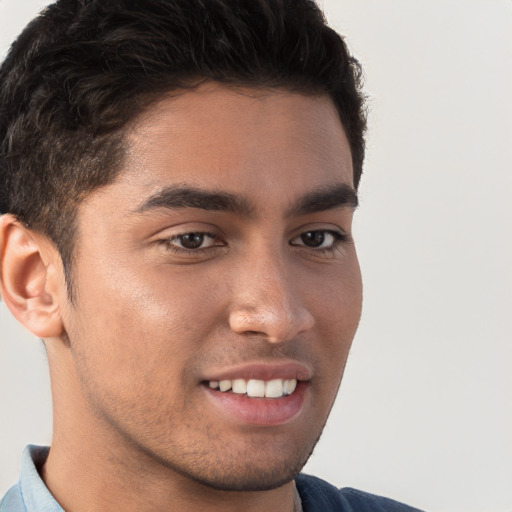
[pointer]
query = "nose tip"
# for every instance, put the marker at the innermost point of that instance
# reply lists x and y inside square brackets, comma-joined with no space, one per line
[266,299]
[277,323]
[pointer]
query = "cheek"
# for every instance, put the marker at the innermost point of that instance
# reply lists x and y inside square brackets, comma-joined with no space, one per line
[338,302]
[338,311]
[133,326]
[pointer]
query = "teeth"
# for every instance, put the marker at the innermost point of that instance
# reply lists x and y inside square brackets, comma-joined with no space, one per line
[256,388]
[225,385]
[289,386]
[240,386]
[275,388]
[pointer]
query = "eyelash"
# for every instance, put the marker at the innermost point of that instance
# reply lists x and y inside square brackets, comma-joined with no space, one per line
[168,242]
[338,239]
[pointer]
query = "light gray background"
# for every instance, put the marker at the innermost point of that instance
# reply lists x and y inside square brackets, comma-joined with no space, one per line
[425,412]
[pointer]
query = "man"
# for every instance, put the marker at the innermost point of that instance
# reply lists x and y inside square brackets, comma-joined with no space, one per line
[178,184]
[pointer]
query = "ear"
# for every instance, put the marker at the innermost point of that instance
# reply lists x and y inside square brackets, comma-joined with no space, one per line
[32,281]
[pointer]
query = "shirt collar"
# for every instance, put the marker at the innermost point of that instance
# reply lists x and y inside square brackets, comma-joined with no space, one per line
[36,496]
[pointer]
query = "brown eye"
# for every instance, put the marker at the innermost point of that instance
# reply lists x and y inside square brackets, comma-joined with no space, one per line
[319,239]
[191,240]
[313,238]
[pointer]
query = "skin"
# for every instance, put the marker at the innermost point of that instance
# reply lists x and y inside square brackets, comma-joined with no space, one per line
[150,320]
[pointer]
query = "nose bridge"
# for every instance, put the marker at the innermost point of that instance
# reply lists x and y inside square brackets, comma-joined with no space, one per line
[267,301]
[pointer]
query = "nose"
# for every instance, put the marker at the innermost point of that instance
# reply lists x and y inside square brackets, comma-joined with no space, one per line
[268,303]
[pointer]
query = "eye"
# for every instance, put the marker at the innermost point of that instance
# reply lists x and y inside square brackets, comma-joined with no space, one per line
[319,239]
[192,241]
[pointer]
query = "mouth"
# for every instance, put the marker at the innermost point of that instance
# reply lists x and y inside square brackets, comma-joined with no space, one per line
[255,388]
[260,394]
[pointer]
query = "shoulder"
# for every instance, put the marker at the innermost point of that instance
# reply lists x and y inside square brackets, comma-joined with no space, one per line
[320,496]
[12,501]
[360,499]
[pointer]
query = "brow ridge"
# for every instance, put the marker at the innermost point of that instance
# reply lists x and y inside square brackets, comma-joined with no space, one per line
[329,197]
[175,197]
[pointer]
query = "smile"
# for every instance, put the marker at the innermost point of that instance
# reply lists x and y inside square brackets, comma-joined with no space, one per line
[263,403]
[255,388]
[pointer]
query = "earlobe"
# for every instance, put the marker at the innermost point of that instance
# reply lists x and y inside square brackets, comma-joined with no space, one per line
[29,278]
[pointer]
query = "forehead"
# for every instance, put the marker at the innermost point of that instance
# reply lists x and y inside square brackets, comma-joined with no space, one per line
[250,142]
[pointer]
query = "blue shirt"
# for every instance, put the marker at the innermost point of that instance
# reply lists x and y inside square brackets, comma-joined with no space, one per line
[31,495]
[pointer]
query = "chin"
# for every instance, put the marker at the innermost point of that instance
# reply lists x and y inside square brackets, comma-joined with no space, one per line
[247,480]
[245,474]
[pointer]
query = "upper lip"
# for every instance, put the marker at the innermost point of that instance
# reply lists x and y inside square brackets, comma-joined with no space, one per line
[263,371]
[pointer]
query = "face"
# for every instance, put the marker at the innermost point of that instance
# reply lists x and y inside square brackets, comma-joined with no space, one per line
[218,288]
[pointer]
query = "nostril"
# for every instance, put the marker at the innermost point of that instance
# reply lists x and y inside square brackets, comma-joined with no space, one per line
[276,324]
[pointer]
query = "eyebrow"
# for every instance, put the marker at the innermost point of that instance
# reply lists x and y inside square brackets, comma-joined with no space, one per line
[189,197]
[329,197]
[172,197]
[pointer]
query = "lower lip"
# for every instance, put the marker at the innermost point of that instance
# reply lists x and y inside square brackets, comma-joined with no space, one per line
[265,412]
